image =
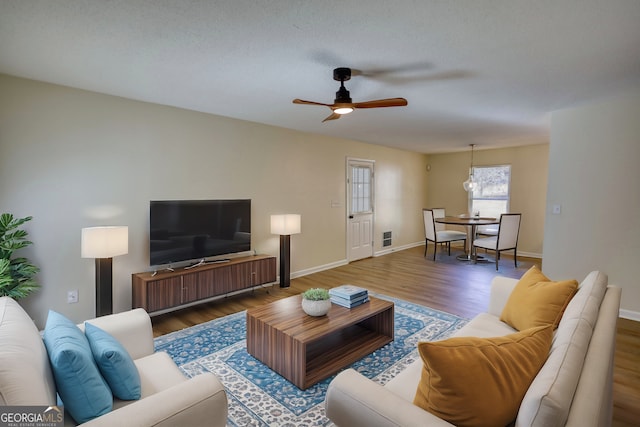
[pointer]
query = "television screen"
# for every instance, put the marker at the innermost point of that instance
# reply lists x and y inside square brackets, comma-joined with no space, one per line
[183,230]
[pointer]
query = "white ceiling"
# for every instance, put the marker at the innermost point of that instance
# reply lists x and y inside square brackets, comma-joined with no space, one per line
[487,72]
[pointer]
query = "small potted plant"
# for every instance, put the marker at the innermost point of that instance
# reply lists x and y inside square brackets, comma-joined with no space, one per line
[316,302]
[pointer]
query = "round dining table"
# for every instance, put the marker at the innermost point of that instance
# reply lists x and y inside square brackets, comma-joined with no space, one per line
[472,223]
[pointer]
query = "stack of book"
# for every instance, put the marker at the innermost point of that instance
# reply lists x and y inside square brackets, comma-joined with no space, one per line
[348,296]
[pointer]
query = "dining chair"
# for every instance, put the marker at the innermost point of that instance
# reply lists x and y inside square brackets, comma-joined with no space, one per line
[506,240]
[487,230]
[432,234]
[440,213]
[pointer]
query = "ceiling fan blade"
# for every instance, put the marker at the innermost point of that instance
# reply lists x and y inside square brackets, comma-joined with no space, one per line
[302,101]
[333,116]
[378,103]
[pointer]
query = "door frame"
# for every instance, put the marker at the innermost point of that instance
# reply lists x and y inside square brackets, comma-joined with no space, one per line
[348,162]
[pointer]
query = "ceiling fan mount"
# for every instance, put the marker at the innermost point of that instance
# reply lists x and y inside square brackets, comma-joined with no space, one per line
[342,74]
[343,103]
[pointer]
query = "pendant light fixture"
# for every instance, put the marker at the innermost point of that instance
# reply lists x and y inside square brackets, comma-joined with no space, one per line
[470,184]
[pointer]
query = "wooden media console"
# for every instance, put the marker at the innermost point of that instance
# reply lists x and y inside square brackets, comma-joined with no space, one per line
[167,290]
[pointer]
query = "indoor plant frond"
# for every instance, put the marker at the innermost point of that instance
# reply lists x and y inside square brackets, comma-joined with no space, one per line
[5,276]
[16,274]
[12,239]
[8,222]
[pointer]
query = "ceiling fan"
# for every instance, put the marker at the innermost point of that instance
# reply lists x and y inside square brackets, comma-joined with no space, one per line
[343,103]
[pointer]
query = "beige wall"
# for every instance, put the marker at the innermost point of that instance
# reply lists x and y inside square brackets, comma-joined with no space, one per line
[75,159]
[528,186]
[594,174]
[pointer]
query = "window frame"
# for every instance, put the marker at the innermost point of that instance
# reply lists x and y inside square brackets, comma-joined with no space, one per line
[507,198]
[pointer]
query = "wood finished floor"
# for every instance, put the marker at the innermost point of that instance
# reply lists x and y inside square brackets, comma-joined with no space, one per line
[448,285]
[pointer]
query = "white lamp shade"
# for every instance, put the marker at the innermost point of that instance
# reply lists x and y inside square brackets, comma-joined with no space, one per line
[285,224]
[104,242]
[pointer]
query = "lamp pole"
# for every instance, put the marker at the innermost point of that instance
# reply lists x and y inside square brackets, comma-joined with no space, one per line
[285,260]
[104,287]
[285,226]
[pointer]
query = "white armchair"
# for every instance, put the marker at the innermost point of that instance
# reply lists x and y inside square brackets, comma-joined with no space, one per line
[168,397]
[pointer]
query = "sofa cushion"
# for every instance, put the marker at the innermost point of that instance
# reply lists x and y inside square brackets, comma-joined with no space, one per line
[115,364]
[471,381]
[149,366]
[484,325]
[25,374]
[83,391]
[548,400]
[537,301]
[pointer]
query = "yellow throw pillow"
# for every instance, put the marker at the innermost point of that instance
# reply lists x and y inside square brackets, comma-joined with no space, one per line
[537,301]
[478,382]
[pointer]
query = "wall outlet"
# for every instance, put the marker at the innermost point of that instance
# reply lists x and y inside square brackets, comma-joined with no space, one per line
[556,209]
[72,296]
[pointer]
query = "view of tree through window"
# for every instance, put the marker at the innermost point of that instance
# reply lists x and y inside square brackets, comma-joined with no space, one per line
[361,189]
[491,197]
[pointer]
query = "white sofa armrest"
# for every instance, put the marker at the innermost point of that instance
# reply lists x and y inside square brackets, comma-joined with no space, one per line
[501,288]
[353,400]
[200,401]
[593,401]
[131,328]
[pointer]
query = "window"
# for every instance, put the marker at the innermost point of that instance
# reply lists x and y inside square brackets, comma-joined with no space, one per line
[491,197]
[360,189]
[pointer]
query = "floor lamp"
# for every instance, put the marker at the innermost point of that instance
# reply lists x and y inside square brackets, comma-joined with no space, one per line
[103,243]
[285,226]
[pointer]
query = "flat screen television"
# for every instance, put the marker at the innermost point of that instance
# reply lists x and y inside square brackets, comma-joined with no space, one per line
[186,230]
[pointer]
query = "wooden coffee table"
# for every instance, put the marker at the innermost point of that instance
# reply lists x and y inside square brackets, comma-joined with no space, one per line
[306,349]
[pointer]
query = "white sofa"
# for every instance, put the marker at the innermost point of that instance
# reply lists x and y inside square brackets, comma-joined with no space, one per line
[168,397]
[573,388]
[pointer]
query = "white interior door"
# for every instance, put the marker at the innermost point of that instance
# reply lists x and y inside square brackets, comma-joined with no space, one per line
[360,201]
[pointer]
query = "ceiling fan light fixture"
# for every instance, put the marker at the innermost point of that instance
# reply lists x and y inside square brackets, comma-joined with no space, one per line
[343,110]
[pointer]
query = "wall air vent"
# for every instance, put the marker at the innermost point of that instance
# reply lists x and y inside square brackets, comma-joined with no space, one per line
[386,238]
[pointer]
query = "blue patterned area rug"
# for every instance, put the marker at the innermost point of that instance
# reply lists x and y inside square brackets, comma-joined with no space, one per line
[260,397]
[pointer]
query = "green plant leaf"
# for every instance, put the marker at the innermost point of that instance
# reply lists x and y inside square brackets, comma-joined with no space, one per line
[16,234]
[4,267]
[14,245]
[7,222]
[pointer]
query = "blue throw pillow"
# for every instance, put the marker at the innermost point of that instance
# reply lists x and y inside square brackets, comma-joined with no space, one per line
[83,391]
[114,362]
